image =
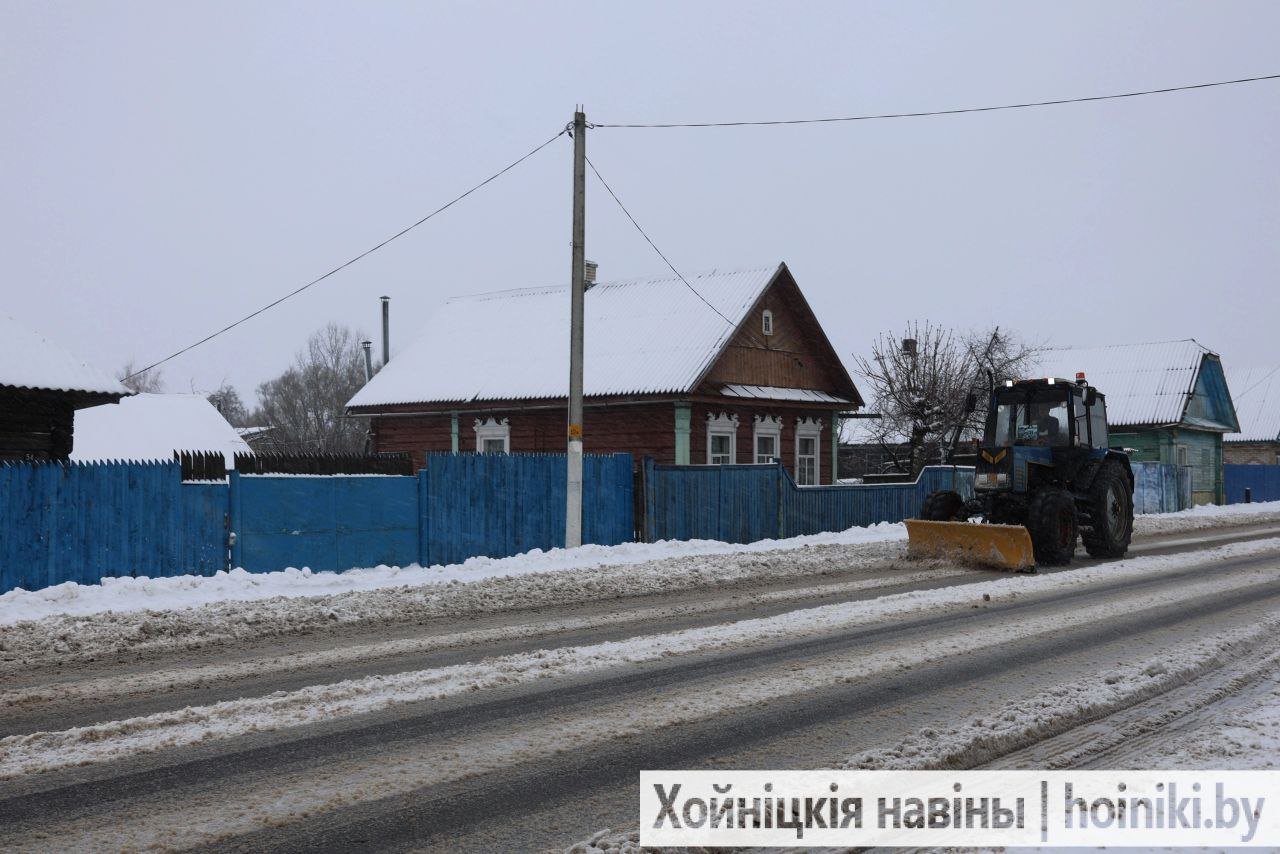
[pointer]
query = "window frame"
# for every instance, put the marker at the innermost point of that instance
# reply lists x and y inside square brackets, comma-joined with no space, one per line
[492,430]
[809,428]
[766,427]
[766,322]
[723,424]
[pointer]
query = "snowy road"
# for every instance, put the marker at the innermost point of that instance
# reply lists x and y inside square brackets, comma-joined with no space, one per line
[522,728]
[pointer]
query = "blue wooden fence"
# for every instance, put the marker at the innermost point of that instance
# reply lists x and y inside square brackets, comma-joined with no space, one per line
[1160,487]
[499,506]
[324,522]
[1263,482]
[87,521]
[742,504]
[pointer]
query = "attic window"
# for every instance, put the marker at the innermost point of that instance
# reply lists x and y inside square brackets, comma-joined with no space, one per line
[766,322]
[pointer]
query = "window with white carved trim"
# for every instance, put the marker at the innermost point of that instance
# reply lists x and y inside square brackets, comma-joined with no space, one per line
[808,451]
[722,433]
[493,436]
[767,437]
[766,322]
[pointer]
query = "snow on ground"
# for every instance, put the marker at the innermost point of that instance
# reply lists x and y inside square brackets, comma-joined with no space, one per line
[23,754]
[190,591]
[1059,709]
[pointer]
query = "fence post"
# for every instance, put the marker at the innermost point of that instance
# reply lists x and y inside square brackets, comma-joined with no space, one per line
[235,534]
[649,500]
[780,477]
[1248,495]
[424,523]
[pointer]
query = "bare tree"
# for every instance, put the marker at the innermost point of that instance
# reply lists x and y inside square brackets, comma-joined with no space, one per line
[1006,356]
[306,403]
[920,382]
[149,381]
[227,401]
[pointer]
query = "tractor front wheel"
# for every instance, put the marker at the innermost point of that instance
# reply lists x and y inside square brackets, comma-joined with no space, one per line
[941,506]
[1110,513]
[1051,519]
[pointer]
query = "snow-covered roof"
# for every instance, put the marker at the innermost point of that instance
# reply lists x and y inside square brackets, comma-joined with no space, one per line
[30,360]
[1256,392]
[642,336]
[152,427]
[1143,383]
[769,392]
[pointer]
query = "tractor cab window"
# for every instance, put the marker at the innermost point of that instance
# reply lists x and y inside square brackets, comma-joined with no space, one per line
[1098,418]
[1028,421]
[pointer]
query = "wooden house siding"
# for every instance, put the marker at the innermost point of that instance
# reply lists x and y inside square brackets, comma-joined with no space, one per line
[1204,455]
[796,355]
[641,429]
[37,424]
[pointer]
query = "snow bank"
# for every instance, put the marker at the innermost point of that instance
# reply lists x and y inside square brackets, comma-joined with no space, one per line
[124,595]
[1207,516]
[238,585]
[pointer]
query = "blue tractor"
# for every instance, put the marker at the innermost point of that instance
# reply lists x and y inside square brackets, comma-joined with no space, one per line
[1045,476]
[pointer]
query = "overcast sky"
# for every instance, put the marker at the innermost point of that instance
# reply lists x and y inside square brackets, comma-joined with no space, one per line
[168,167]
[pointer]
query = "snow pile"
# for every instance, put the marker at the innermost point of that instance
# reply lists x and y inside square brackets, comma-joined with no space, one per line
[124,595]
[238,585]
[66,638]
[1207,516]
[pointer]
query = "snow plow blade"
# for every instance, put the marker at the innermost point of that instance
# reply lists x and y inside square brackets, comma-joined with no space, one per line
[1000,546]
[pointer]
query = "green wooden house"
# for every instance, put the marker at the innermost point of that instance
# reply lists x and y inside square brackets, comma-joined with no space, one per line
[1167,401]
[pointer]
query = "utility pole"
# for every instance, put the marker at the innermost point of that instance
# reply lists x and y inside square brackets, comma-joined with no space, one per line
[573,493]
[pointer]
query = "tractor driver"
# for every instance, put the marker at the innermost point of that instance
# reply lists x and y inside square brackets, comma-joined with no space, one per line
[1049,420]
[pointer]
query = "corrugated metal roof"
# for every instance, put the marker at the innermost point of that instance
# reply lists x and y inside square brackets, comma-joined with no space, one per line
[769,392]
[1256,392]
[30,360]
[1143,383]
[642,336]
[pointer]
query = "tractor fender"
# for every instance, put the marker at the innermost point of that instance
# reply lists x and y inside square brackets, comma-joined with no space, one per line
[1123,459]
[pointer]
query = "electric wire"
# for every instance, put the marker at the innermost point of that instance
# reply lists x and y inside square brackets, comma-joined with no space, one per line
[346,264]
[951,112]
[649,240]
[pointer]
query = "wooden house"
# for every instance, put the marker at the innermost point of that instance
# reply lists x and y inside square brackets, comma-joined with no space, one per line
[41,386]
[739,371]
[1167,401]
[1256,393]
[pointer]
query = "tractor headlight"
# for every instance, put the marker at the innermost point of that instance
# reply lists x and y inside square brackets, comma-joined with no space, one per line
[991,480]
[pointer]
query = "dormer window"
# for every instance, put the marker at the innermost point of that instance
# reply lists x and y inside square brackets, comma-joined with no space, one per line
[766,322]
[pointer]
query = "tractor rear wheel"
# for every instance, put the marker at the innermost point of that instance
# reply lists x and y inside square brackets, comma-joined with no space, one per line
[941,506]
[1111,513]
[1051,519]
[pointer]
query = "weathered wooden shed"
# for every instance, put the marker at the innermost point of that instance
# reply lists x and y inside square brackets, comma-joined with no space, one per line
[738,372]
[1168,401]
[41,386]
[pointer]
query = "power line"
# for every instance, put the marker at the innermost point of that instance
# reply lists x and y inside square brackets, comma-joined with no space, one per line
[346,264]
[1266,377]
[951,112]
[654,245]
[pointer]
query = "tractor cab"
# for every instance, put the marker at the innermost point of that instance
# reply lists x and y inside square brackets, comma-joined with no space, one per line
[1047,413]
